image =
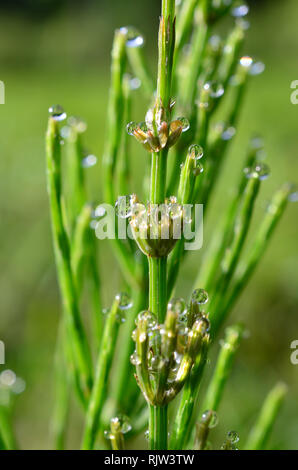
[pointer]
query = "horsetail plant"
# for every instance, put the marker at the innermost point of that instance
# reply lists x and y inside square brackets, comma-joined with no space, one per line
[163,359]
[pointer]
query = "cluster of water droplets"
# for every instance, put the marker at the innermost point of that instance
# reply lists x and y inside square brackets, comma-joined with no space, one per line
[196,152]
[155,132]
[211,92]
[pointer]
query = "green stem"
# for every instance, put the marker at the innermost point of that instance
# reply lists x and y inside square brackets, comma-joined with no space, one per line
[223,368]
[62,393]
[123,369]
[158,176]
[7,439]
[158,266]
[259,435]
[80,350]
[158,287]
[274,212]
[158,427]
[103,367]
[188,88]
[183,420]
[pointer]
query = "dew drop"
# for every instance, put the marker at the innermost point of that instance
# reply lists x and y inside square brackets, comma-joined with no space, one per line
[125,301]
[205,325]
[124,206]
[57,112]
[233,437]
[185,123]
[93,224]
[143,126]
[7,378]
[77,123]
[210,417]
[199,296]
[198,169]
[99,211]
[134,38]
[122,422]
[146,434]
[246,61]
[257,68]
[135,83]
[177,305]
[240,10]
[175,210]
[65,132]
[131,127]
[257,142]
[293,195]
[89,161]
[216,90]
[135,359]
[228,133]
[147,316]
[109,435]
[195,151]
[19,386]
[260,170]
[172,103]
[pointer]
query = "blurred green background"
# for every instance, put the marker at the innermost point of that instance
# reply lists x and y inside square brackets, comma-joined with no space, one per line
[58,52]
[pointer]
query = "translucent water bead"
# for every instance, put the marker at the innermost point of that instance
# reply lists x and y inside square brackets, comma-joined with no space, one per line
[125,301]
[216,90]
[121,423]
[124,206]
[89,161]
[210,417]
[57,112]
[185,123]
[177,305]
[134,38]
[199,296]
[240,9]
[77,123]
[233,437]
[195,151]
[246,61]
[259,170]
[293,195]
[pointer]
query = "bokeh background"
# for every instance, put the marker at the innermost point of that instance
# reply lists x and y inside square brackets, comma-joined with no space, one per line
[55,51]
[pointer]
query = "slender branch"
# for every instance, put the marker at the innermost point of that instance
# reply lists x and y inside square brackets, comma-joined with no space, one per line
[260,433]
[76,333]
[103,368]
[158,427]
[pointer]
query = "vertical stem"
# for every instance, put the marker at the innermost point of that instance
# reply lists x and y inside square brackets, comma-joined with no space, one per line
[158,266]
[158,287]
[103,367]
[158,427]
[158,176]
